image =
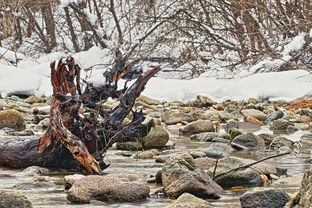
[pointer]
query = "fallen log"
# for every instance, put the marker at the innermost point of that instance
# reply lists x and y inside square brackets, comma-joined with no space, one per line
[78,140]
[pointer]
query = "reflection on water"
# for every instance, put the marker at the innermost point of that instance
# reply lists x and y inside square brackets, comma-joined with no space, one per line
[56,197]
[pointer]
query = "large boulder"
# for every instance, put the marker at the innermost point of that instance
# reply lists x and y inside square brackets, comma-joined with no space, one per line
[271,198]
[181,174]
[106,188]
[248,141]
[304,198]
[170,118]
[12,119]
[12,199]
[156,137]
[254,176]
[196,127]
[254,113]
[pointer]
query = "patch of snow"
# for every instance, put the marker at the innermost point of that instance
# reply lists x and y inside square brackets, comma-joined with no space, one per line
[295,45]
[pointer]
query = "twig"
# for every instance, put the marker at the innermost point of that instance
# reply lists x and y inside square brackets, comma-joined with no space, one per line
[216,165]
[251,164]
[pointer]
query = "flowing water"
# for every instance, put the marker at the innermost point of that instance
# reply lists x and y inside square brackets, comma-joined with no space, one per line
[54,196]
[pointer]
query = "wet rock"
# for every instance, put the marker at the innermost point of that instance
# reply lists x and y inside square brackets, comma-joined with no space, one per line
[34,185]
[280,141]
[254,113]
[71,179]
[280,125]
[271,198]
[34,171]
[274,116]
[293,181]
[145,154]
[129,146]
[248,141]
[204,137]
[181,174]
[197,154]
[170,118]
[220,140]
[242,177]
[202,101]
[147,100]
[235,132]
[106,188]
[230,125]
[305,194]
[26,132]
[157,137]
[291,129]
[218,150]
[198,127]
[12,199]
[253,120]
[212,115]
[268,138]
[12,119]
[35,99]
[189,198]
[302,126]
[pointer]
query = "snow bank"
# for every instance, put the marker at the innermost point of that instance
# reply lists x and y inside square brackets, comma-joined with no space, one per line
[275,86]
[18,81]
[33,78]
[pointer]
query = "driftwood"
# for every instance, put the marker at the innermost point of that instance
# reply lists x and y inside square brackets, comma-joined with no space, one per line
[76,140]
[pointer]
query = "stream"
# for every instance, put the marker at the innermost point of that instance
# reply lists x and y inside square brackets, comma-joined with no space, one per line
[55,196]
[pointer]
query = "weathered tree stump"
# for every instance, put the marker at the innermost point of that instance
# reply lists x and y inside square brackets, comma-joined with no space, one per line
[77,140]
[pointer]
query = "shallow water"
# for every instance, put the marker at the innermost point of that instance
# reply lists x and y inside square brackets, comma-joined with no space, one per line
[55,196]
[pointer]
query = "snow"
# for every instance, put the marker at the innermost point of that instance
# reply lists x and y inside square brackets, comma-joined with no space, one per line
[65,3]
[32,77]
[295,45]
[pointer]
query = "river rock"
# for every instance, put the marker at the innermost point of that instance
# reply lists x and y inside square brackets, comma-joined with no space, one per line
[292,181]
[248,141]
[271,198]
[254,113]
[71,179]
[280,125]
[191,199]
[198,127]
[12,119]
[268,138]
[280,141]
[202,101]
[304,198]
[147,100]
[274,116]
[170,118]
[35,99]
[12,199]
[157,137]
[129,146]
[204,137]
[181,174]
[106,188]
[34,171]
[243,177]
[253,120]
[218,150]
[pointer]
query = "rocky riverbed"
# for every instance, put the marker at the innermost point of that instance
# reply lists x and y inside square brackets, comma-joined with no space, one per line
[180,163]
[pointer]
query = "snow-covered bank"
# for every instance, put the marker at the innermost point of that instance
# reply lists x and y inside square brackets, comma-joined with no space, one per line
[276,85]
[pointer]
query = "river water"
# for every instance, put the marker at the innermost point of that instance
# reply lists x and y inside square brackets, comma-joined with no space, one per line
[54,195]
